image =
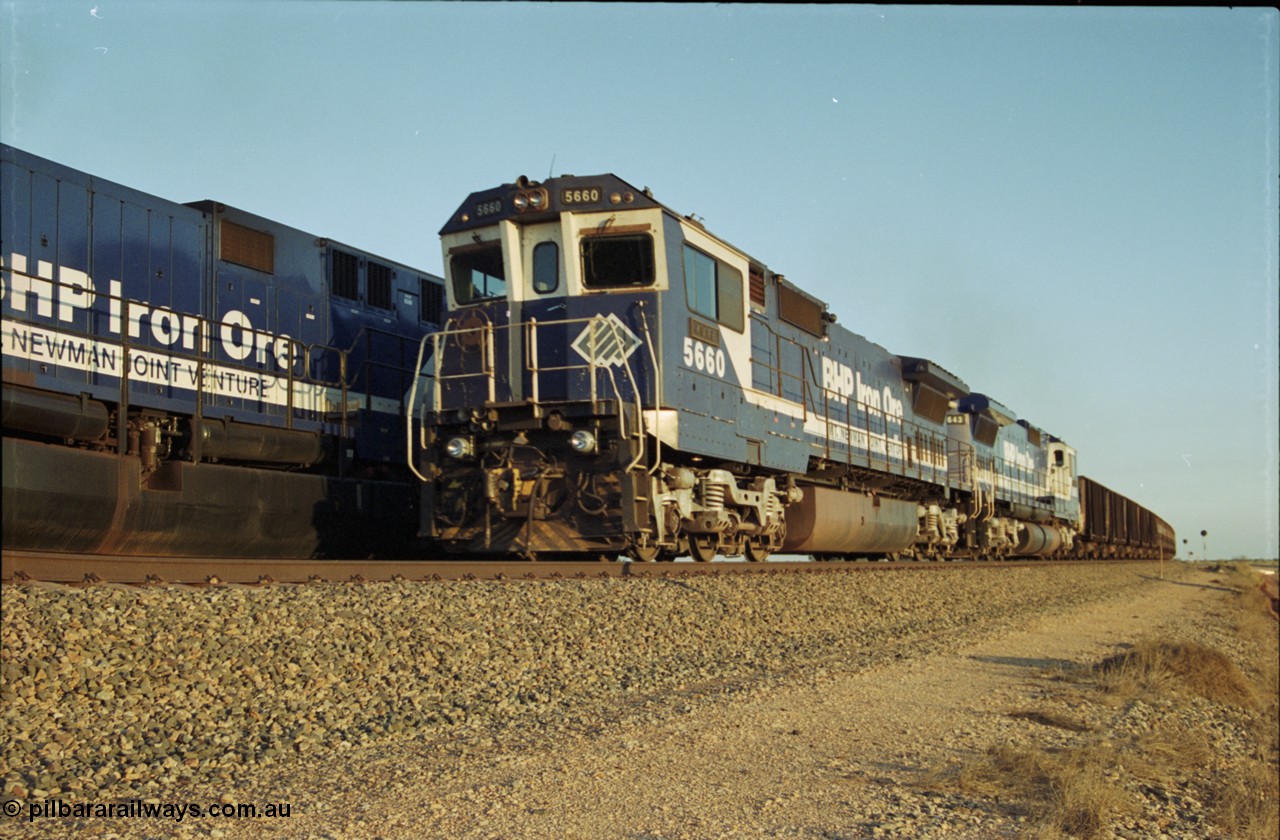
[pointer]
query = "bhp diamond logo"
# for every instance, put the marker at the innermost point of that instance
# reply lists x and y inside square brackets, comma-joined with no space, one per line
[606,341]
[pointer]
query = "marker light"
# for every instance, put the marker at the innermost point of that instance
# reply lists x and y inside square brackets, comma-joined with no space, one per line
[459,448]
[583,441]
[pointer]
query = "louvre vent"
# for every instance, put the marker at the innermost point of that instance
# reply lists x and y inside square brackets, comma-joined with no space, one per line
[432,301]
[247,247]
[346,276]
[799,311]
[379,285]
[756,281]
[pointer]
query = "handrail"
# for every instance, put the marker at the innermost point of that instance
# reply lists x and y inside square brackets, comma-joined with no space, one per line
[411,414]
[601,328]
[657,394]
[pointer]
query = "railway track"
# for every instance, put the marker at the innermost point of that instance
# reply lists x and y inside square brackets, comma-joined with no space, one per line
[23,566]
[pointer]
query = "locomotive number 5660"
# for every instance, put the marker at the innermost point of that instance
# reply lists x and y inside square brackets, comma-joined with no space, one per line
[702,357]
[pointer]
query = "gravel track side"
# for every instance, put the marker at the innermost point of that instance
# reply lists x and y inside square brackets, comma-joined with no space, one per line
[111,693]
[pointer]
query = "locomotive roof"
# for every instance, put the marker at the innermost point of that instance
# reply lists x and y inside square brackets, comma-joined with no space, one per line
[570,193]
[915,369]
[544,200]
[976,403]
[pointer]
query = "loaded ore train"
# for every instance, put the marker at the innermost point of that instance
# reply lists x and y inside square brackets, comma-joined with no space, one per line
[613,379]
[193,380]
[595,376]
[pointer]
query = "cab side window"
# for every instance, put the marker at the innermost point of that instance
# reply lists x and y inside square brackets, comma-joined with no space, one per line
[478,274]
[713,289]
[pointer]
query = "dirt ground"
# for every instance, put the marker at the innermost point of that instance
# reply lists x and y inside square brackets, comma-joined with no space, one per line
[911,742]
[834,751]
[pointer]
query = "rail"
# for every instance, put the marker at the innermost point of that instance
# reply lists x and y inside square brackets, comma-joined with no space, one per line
[43,568]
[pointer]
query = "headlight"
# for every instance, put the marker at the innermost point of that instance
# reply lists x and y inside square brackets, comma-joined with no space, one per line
[459,448]
[583,441]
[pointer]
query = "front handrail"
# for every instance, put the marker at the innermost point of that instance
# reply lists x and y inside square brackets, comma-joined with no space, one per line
[427,391]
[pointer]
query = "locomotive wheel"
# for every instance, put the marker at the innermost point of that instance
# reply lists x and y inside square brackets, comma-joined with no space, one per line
[702,547]
[757,549]
[644,553]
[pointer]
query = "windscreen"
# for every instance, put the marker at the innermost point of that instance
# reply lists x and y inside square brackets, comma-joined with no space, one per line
[613,261]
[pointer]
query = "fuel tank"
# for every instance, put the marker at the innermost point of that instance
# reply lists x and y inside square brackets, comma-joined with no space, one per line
[1038,539]
[828,521]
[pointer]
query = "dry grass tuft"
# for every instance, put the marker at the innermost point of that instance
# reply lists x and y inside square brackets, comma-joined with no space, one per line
[1069,790]
[1161,755]
[1156,666]
[1246,802]
[1081,791]
[1246,805]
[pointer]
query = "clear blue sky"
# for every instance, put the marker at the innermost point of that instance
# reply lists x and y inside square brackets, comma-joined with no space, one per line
[1075,210]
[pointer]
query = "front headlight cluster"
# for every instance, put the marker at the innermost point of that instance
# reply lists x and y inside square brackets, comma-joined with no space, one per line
[535,199]
[583,442]
[463,448]
[460,448]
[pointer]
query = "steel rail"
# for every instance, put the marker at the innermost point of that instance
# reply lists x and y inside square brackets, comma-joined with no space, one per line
[21,566]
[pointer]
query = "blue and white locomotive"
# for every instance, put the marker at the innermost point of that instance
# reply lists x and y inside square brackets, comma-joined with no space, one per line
[611,378]
[599,376]
[191,379]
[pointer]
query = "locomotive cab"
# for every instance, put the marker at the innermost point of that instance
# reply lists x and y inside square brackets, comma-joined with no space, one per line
[534,392]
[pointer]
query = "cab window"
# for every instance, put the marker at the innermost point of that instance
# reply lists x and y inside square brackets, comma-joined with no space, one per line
[610,262]
[713,289]
[478,274]
[546,267]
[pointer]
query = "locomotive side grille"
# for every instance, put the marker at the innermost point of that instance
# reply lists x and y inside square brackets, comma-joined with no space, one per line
[379,285]
[799,311]
[432,300]
[757,285]
[247,247]
[346,276]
